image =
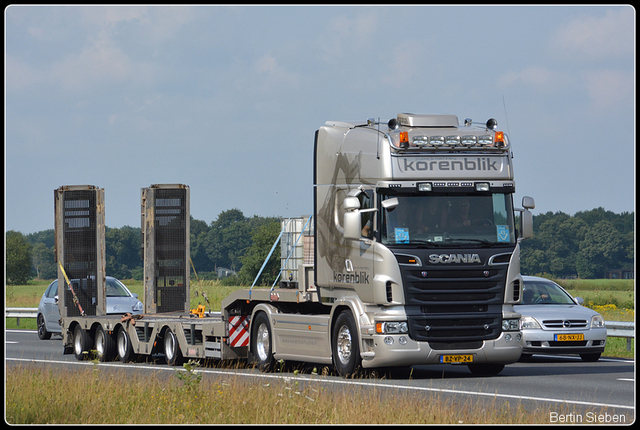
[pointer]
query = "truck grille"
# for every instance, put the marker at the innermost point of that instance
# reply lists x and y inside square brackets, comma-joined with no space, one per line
[454,304]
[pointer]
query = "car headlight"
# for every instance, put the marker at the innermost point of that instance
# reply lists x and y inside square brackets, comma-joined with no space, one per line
[597,321]
[529,323]
[137,307]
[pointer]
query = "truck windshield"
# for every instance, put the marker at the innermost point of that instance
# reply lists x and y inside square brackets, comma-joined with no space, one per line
[453,219]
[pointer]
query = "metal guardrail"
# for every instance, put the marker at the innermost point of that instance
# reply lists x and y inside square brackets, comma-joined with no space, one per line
[621,329]
[614,328]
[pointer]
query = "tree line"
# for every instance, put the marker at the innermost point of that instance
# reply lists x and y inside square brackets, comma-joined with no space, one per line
[585,245]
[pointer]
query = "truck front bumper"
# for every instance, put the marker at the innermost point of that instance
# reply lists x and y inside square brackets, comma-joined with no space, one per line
[401,350]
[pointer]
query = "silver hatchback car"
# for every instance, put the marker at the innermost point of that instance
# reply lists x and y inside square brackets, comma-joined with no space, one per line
[119,301]
[554,322]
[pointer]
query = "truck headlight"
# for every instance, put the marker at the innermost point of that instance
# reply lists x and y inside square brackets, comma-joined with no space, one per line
[511,325]
[529,323]
[392,327]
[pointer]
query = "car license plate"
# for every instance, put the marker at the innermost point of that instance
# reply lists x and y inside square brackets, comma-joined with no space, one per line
[456,358]
[569,337]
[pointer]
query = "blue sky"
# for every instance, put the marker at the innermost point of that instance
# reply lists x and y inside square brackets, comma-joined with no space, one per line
[227,99]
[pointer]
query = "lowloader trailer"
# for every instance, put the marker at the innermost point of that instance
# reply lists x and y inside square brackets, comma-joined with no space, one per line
[411,257]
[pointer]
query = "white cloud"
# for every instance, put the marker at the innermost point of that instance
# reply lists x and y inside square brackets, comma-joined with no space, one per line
[271,76]
[609,88]
[597,38]
[538,77]
[345,35]
[98,63]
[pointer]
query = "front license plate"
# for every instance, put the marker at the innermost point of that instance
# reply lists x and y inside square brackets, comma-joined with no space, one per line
[569,337]
[456,359]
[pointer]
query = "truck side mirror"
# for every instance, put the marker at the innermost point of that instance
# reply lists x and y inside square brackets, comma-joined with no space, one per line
[352,218]
[526,218]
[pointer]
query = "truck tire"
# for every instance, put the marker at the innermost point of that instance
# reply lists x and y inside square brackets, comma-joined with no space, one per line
[105,345]
[172,351]
[124,347]
[485,369]
[345,345]
[43,334]
[81,343]
[261,342]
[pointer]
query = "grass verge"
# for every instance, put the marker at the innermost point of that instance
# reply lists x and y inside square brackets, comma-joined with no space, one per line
[104,397]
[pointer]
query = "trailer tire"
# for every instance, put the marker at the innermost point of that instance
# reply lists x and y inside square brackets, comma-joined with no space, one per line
[81,343]
[124,347]
[261,342]
[172,351]
[105,345]
[345,345]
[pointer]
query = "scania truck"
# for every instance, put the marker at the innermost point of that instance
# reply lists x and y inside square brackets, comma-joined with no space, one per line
[411,257]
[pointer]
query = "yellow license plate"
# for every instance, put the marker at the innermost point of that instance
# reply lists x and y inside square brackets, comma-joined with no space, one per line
[569,337]
[456,359]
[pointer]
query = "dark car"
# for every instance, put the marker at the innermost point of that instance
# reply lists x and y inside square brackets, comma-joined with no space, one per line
[554,322]
[119,301]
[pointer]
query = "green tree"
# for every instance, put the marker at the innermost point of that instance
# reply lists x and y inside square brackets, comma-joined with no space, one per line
[601,248]
[18,261]
[262,241]
[43,261]
[122,251]
[228,239]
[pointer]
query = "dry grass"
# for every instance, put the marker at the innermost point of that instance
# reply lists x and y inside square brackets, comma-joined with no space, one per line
[99,396]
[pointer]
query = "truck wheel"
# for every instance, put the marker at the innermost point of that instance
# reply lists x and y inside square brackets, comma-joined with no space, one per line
[261,342]
[81,343]
[124,347]
[43,334]
[105,345]
[171,348]
[345,345]
[485,369]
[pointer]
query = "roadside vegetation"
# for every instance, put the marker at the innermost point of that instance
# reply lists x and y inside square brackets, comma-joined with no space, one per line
[100,396]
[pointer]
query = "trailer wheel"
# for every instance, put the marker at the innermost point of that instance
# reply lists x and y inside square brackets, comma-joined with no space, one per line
[124,347]
[105,345]
[261,342]
[171,348]
[81,343]
[344,345]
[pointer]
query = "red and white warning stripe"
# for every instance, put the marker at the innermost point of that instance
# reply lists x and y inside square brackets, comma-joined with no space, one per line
[239,331]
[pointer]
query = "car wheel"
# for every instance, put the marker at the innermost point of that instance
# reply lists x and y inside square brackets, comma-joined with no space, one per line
[171,348]
[344,345]
[105,345]
[124,347]
[591,357]
[43,334]
[261,342]
[81,343]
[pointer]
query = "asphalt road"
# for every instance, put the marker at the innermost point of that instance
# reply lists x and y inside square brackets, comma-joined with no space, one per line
[592,390]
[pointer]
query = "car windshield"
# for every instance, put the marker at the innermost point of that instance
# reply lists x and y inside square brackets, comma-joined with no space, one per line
[453,219]
[116,288]
[544,293]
